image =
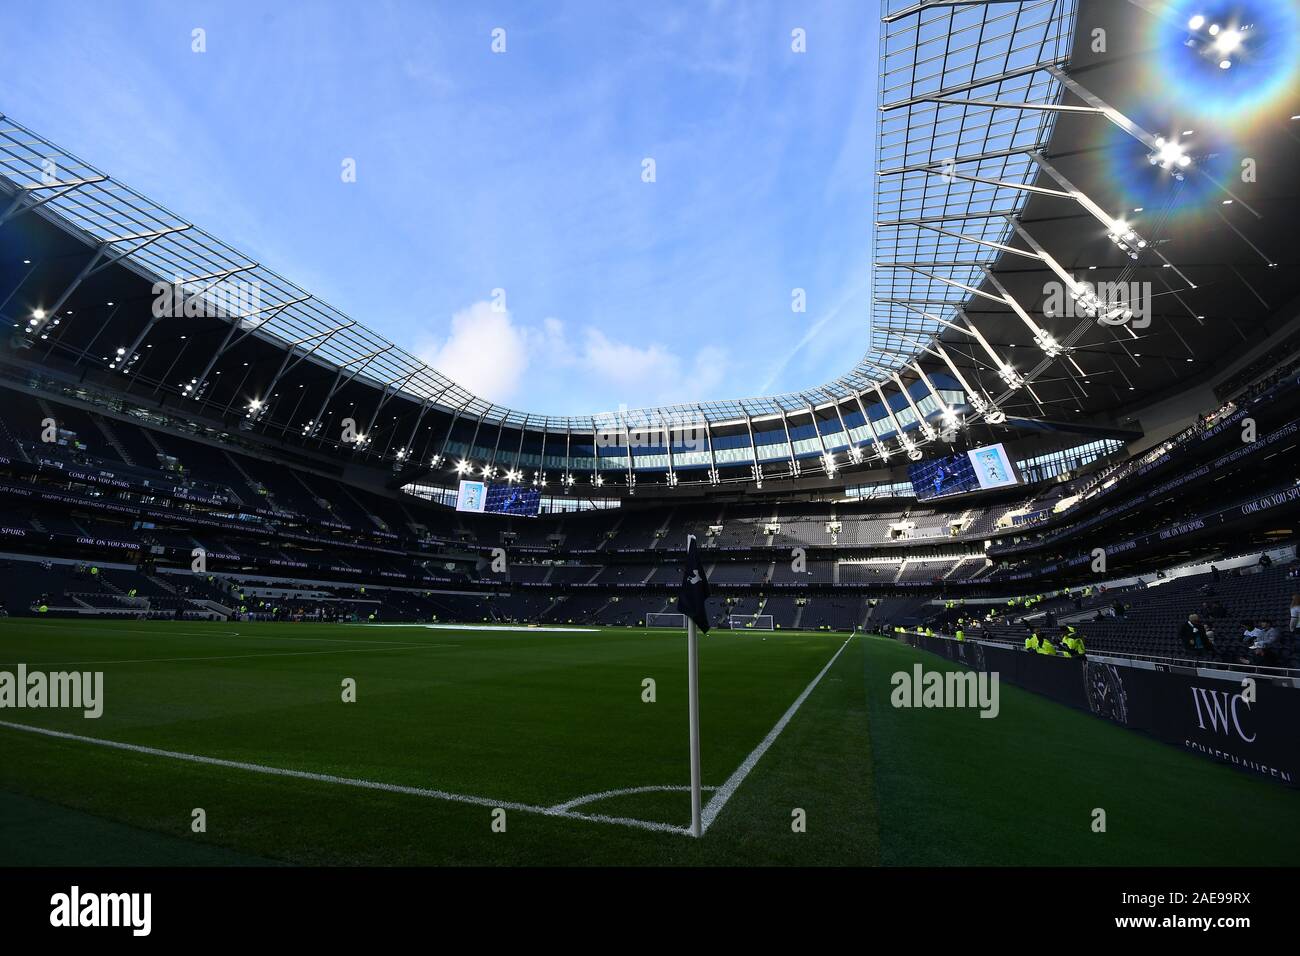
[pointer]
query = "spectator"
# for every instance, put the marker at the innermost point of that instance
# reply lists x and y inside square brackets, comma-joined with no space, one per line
[1214,573]
[1196,639]
[1295,612]
[1265,561]
[1263,647]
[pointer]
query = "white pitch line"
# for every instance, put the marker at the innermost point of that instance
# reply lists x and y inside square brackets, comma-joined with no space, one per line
[563,810]
[728,789]
[354,781]
[625,792]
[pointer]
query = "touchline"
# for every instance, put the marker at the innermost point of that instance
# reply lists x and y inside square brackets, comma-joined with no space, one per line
[82,690]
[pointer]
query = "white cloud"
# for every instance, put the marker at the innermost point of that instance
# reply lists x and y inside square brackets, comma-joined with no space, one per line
[644,374]
[500,359]
[485,352]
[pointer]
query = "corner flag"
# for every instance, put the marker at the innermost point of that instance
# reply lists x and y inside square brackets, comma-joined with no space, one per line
[695,587]
[691,602]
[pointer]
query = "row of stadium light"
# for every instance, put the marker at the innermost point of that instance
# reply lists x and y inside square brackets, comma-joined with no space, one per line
[949,418]
[257,408]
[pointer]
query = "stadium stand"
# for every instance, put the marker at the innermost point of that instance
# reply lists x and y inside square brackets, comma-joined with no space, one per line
[174,447]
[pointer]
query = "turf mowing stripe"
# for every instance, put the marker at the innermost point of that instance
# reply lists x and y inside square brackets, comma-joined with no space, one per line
[355,781]
[725,792]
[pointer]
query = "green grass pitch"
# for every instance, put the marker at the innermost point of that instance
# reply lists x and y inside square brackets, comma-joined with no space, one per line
[248,722]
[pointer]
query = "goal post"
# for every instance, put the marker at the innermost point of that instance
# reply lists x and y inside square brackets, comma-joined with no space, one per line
[750,622]
[666,619]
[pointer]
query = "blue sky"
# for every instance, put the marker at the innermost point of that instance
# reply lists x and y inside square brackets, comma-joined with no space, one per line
[519,171]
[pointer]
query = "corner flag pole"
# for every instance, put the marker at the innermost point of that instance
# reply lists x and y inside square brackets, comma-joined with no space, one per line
[693,692]
[692,603]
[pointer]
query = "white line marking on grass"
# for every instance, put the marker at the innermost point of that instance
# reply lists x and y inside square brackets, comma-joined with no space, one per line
[625,792]
[728,789]
[354,781]
[236,657]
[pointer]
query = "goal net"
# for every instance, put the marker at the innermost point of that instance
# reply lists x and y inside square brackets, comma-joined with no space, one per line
[655,619]
[753,622]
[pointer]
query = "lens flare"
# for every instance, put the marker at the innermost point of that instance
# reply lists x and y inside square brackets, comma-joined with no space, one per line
[1232,63]
[1171,186]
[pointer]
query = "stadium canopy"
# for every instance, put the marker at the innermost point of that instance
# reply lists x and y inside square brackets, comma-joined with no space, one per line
[1020,162]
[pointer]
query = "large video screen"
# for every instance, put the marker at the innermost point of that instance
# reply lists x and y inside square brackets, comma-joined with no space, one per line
[979,468]
[472,496]
[480,497]
[992,467]
[513,500]
[938,477]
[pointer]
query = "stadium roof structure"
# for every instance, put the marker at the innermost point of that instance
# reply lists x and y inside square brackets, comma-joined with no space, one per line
[995,180]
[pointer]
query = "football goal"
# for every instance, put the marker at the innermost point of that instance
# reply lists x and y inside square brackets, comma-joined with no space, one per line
[755,622]
[656,619]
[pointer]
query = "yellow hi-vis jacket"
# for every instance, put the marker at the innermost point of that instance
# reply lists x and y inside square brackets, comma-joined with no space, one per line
[1045,647]
[961,635]
[1031,642]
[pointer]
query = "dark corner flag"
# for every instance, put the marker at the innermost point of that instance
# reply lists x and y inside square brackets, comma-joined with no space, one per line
[695,587]
[691,602]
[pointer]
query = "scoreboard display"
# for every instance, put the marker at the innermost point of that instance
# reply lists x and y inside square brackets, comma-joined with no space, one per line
[939,477]
[513,500]
[977,469]
[483,498]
